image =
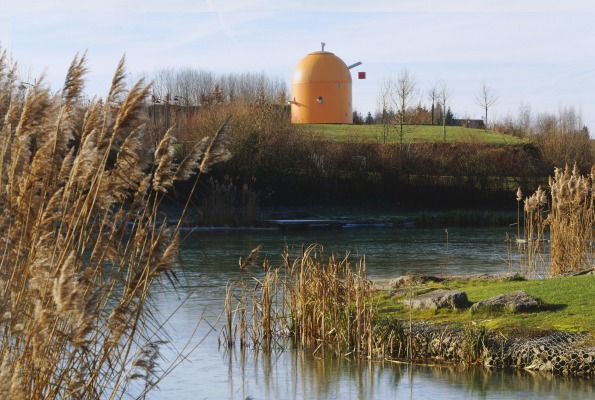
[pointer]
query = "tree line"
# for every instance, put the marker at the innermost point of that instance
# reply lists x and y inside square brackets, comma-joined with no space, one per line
[285,163]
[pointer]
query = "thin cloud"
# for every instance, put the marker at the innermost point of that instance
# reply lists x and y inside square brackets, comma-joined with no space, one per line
[532,51]
[224,26]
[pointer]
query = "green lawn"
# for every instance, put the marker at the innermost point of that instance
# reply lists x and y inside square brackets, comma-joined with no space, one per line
[569,305]
[412,133]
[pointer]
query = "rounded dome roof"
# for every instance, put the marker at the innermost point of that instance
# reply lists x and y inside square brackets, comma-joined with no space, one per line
[321,66]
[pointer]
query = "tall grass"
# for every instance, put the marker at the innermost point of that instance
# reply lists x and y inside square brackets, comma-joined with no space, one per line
[562,224]
[571,220]
[228,203]
[81,238]
[532,248]
[321,303]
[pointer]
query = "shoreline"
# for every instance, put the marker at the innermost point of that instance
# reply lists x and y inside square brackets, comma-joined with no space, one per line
[557,352]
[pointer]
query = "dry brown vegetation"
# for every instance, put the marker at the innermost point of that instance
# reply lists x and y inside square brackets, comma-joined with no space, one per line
[559,228]
[295,165]
[81,238]
[322,303]
[561,138]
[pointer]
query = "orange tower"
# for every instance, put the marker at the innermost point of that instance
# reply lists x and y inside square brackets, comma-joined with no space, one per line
[321,90]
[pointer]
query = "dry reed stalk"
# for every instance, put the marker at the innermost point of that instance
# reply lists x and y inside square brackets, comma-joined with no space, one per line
[532,249]
[330,304]
[569,219]
[81,241]
[320,303]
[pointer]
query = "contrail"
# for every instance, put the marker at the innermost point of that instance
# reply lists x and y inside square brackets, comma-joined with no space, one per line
[224,26]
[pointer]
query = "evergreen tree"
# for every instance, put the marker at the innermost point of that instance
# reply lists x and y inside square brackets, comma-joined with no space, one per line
[449,116]
[358,119]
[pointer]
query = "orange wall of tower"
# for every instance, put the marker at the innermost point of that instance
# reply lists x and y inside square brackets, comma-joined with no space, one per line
[321,75]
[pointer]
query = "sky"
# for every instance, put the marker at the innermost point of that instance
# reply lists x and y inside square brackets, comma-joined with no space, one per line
[536,53]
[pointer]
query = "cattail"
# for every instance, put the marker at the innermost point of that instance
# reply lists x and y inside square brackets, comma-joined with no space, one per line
[519,194]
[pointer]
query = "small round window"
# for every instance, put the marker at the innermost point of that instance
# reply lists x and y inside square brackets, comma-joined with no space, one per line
[319,100]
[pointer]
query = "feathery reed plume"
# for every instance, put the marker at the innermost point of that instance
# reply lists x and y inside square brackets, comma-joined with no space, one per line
[8,79]
[191,162]
[532,248]
[118,82]
[218,148]
[164,156]
[74,83]
[519,199]
[567,216]
[250,261]
[131,163]
[128,115]
[570,221]
[65,129]
[81,240]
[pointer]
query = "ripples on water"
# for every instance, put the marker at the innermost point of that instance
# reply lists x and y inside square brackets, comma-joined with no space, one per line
[211,261]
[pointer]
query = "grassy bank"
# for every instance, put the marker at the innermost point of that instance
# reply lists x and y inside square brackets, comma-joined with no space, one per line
[326,290]
[413,133]
[568,305]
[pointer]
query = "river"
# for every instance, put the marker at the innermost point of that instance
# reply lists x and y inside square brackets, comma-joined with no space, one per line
[210,261]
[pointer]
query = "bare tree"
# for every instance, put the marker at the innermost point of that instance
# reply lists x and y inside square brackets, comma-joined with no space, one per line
[384,107]
[563,138]
[485,99]
[525,118]
[443,96]
[404,93]
[433,97]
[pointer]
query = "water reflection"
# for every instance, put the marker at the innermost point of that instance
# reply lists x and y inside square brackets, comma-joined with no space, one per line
[298,375]
[388,251]
[211,260]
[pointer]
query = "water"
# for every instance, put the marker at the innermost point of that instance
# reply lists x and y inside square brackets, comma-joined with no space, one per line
[211,261]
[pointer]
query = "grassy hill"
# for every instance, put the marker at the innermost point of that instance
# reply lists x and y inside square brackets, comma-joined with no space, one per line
[412,133]
[567,304]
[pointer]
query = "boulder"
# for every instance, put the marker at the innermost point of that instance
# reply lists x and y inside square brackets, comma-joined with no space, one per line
[514,302]
[436,299]
[413,280]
